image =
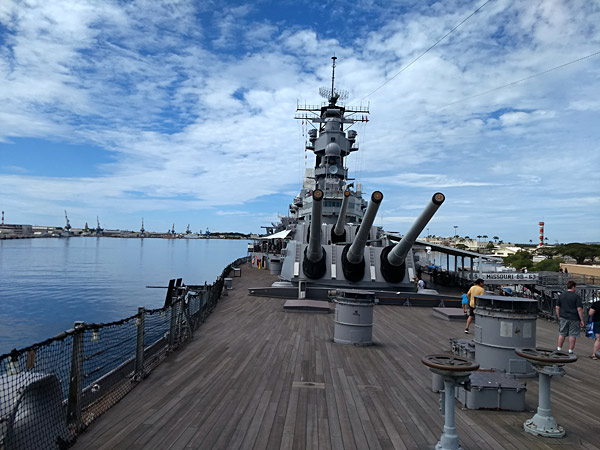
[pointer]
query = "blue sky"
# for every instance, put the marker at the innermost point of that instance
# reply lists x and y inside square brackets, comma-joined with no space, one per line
[182,112]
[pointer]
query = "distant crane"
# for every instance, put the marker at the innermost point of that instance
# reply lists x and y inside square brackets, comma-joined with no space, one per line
[98,229]
[173,230]
[142,230]
[68,225]
[188,229]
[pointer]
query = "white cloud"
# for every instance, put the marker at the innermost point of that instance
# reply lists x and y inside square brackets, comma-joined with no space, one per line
[195,107]
[585,105]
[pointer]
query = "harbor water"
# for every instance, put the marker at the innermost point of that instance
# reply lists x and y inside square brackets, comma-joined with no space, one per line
[48,284]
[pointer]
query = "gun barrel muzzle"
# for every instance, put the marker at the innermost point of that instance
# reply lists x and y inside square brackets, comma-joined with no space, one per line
[398,253]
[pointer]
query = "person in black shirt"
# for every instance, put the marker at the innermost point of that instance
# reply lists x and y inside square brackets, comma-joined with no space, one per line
[594,313]
[569,311]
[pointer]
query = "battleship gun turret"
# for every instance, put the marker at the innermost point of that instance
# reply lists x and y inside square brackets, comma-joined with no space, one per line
[392,256]
[353,261]
[338,233]
[329,242]
[313,263]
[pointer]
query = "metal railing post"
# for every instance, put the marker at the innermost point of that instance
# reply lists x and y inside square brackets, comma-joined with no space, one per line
[204,304]
[75,378]
[140,322]
[185,304]
[173,325]
[180,315]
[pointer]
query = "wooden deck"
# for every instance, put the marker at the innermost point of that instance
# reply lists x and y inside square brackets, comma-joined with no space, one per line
[256,377]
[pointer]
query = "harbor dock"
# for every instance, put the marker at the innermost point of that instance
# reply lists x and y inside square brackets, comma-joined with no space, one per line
[256,377]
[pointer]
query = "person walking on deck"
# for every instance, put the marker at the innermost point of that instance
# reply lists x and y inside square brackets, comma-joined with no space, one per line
[475,290]
[465,302]
[569,312]
[594,313]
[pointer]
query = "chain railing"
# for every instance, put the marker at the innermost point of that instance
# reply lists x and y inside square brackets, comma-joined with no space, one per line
[51,391]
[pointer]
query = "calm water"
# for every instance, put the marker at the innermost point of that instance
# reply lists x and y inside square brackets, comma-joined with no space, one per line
[47,284]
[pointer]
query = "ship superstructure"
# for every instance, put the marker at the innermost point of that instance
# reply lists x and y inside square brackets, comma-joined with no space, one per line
[330,239]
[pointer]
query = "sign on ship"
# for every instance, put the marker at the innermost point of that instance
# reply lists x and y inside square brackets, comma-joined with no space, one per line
[506,277]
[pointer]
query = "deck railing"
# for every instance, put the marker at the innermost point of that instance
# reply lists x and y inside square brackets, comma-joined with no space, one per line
[51,391]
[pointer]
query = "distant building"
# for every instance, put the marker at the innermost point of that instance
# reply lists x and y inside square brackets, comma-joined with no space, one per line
[7,230]
[45,231]
[111,233]
[506,250]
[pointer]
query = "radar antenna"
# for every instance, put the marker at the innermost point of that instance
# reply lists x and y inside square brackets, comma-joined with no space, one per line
[333,95]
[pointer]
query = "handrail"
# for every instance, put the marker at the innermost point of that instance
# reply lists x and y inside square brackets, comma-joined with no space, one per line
[91,367]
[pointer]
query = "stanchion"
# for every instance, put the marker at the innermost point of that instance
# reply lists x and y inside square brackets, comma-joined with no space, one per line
[548,363]
[455,371]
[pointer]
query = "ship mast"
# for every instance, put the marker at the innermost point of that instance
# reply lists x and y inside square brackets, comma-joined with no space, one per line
[333,58]
[331,140]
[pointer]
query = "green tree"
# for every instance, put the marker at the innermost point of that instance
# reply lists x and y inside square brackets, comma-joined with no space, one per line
[495,238]
[461,246]
[548,265]
[519,260]
[548,252]
[580,252]
[490,246]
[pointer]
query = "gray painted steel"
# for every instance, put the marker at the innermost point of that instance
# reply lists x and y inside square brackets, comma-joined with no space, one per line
[501,325]
[398,254]
[275,264]
[353,322]
[493,390]
[341,221]
[329,206]
[315,251]
[357,249]
[464,348]
[353,317]
[437,382]
[33,415]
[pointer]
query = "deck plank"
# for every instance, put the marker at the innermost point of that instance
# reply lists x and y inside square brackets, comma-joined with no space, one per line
[255,377]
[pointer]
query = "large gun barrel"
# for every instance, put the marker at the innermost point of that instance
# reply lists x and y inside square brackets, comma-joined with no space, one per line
[313,263]
[339,229]
[392,257]
[353,261]
[315,250]
[357,249]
